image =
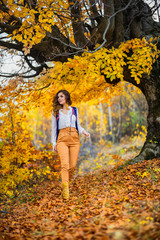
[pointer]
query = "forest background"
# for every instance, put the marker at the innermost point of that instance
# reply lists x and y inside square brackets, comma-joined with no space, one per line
[106,78]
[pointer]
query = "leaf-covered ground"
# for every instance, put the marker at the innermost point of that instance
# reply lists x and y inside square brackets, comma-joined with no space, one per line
[109,204]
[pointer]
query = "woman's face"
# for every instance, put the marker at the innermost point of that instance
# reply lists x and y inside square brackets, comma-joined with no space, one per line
[61,98]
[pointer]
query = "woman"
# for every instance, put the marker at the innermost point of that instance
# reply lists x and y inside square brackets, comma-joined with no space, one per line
[65,136]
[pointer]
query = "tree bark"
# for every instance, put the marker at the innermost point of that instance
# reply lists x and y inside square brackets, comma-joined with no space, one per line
[97,34]
[110,122]
[151,90]
[119,25]
[119,128]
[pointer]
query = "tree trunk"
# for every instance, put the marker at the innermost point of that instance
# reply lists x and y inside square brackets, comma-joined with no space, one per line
[101,121]
[151,90]
[110,123]
[119,128]
[87,125]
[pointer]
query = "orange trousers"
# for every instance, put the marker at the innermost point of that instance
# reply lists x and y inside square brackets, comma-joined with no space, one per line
[68,145]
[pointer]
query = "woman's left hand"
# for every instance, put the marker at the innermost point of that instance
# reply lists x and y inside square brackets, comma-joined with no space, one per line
[87,134]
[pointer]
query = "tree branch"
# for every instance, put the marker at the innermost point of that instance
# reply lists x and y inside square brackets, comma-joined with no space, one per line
[77,24]
[108,25]
[108,22]
[19,75]
[6,10]
[95,15]
[38,69]
[11,45]
[119,25]
[8,27]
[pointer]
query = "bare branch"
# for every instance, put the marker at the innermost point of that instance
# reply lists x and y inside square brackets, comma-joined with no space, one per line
[19,75]
[38,69]
[11,45]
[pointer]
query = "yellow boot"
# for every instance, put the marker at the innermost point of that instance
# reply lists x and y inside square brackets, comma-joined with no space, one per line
[65,190]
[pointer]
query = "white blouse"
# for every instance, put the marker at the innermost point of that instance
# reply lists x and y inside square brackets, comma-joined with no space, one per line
[65,120]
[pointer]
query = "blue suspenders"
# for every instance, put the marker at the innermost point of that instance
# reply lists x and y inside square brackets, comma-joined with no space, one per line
[74,111]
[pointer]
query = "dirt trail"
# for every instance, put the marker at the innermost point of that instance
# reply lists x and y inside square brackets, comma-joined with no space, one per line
[109,204]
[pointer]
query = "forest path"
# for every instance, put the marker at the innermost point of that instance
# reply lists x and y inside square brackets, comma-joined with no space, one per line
[109,204]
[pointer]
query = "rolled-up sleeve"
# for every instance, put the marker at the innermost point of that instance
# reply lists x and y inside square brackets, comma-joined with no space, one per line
[53,130]
[80,129]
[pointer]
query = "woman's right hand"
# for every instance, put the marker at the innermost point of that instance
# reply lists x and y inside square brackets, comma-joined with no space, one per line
[55,148]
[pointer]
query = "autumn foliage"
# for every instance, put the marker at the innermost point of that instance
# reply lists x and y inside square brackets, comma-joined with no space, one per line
[20,161]
[83,78]
[108,204]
